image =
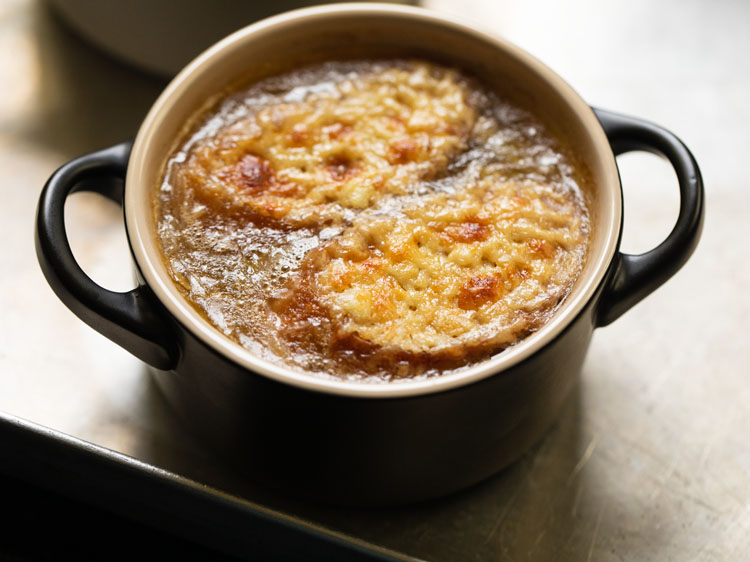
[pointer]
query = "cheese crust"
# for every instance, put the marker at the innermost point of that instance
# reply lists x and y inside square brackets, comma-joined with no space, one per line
[449,275]
[341,147]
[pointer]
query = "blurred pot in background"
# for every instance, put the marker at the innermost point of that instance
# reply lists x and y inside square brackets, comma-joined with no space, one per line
[162,36]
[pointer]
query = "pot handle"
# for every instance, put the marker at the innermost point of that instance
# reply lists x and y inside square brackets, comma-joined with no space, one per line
[134,319]
[636,276]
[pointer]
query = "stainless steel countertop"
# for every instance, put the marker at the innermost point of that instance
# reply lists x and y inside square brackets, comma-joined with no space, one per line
[651,457]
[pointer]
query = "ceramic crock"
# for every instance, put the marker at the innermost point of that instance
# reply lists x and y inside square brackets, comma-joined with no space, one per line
[364,443]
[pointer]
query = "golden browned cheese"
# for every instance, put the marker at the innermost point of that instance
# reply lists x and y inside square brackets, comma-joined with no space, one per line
[372,220]
[344,145]
[454,269]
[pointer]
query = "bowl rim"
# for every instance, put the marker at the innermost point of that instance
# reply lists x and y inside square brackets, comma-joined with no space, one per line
[139,227]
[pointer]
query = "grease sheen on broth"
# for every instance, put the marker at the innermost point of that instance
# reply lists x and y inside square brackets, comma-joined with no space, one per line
[372,220]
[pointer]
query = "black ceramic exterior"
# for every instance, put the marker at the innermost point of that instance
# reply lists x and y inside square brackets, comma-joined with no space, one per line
[361,450]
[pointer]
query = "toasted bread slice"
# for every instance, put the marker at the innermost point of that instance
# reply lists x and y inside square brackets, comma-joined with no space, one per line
[455,273]
[314,154]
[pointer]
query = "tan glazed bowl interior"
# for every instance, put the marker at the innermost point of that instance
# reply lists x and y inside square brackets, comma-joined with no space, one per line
[370,30]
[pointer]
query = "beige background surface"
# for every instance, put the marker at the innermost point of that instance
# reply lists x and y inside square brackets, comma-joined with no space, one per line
[651,457]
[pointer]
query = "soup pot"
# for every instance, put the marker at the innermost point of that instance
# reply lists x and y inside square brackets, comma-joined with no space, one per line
[363,442]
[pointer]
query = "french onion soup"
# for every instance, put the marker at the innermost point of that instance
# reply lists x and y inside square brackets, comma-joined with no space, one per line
[372,220]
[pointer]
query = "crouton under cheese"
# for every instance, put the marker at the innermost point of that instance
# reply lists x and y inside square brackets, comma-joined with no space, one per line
[341,147]
[477,268]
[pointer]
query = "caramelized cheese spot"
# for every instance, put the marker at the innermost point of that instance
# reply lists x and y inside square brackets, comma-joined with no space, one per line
[340,167]
[402,151]
[251,175]
[478,291]
[466,232]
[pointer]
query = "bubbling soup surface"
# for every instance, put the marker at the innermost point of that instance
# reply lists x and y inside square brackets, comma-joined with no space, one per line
[372,220]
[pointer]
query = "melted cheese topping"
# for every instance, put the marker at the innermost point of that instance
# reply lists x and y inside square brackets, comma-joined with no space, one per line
[480,267]
[340,146]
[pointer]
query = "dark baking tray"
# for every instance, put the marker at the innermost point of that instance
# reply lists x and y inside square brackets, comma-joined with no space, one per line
[167,501]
